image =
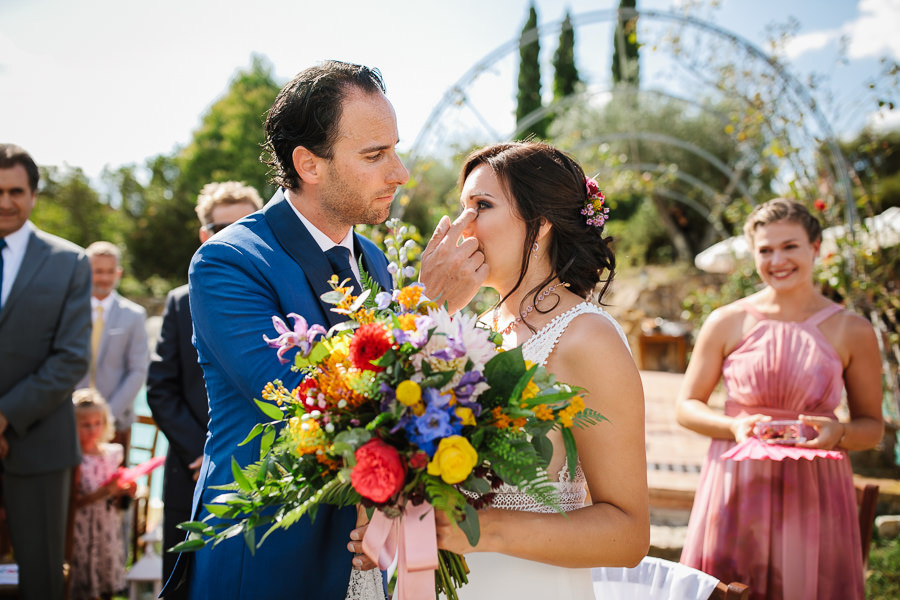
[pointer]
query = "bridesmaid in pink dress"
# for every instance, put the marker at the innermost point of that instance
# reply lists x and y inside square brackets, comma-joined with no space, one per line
[786,528]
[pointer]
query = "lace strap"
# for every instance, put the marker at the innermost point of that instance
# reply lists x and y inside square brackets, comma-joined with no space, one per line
[538,347]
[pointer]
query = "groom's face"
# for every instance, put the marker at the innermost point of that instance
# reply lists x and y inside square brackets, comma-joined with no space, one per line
[364,171]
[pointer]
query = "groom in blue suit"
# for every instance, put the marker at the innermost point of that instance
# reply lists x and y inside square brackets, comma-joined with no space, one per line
[331,135]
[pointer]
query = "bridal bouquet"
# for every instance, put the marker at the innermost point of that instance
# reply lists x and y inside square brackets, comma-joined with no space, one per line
[403,409]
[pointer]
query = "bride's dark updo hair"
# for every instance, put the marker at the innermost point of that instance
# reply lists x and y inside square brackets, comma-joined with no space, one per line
[546,183]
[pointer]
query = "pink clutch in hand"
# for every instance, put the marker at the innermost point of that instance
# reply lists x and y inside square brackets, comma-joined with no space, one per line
[126,476]
[756,449]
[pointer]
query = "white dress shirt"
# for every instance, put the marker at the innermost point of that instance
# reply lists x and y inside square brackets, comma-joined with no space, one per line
[16,244]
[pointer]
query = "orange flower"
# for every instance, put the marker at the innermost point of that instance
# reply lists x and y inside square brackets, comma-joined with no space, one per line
[501,420]
[409,296]
[369,343]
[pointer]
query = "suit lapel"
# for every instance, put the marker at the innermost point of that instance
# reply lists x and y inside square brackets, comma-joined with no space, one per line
[300,245]
[36,253]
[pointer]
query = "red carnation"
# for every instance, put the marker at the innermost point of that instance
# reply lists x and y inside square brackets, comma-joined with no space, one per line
[369,343]
[379,472]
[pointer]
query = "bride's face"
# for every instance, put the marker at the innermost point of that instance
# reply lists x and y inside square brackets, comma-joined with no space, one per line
[498,228]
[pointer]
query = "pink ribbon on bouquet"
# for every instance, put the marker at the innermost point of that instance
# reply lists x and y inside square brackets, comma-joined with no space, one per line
[413,537]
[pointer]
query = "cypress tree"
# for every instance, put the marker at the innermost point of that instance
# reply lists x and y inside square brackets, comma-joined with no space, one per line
[529,93]
[625,65]
[565,74]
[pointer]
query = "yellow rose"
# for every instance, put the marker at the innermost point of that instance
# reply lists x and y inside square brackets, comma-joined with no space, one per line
[454,460]
[409,393]
[465,415]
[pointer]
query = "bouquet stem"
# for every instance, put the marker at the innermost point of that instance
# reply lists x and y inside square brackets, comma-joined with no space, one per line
[451,574]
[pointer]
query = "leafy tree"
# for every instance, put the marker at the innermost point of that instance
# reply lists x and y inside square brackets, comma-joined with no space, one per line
[226,146]
[625,65]
[529,95]
[69,207]
[565,74]
[228,143]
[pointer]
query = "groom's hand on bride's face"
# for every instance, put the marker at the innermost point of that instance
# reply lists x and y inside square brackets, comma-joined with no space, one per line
[360,561]
[453,269]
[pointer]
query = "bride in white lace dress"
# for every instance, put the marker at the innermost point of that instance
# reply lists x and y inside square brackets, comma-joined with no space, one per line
[546,253]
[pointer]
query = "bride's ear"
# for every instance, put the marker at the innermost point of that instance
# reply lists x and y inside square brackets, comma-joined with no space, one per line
[544,229]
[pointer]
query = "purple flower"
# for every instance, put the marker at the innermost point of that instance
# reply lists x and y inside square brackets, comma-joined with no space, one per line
[382,300]
[418,337]
[301,337]
[466,388]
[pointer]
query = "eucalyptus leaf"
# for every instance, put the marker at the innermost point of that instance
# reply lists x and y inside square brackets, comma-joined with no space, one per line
[470,525]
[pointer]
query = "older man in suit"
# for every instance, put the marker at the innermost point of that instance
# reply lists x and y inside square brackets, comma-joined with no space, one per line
[332,137]
[176,393]
[120,353]
[45,319]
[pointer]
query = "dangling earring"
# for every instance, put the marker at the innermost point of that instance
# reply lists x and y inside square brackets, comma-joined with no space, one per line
[534,250]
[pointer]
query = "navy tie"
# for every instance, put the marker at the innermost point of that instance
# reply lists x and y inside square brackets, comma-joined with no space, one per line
[2,246]
[339,257]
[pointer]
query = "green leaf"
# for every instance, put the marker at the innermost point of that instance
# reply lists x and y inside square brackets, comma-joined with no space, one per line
[503,371]
[191,545]
[219,510]
[250,539]
[257,429]
[239,478]
[470,525]
[270,410]
[571,452]
[267,439]
[543,446]
[318,352]
[196,527]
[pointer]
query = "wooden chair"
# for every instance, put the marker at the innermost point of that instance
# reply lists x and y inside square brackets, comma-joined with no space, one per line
[730,591]
[866,499]
[147,447]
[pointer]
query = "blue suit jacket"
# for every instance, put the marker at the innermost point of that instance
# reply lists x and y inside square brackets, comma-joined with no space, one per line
[266,264]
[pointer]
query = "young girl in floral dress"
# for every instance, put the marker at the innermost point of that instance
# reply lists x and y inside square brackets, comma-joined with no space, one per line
[98,558]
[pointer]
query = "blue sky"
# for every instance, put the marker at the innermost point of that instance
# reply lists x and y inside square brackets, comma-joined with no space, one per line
[112,82]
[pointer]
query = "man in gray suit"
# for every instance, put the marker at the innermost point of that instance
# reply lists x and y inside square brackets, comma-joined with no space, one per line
[45,320]
[120,353]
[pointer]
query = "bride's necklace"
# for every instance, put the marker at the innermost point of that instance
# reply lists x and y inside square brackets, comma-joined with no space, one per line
[515,322]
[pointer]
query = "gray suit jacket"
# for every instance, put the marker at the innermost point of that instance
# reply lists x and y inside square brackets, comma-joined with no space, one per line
[122,360]
[45,328]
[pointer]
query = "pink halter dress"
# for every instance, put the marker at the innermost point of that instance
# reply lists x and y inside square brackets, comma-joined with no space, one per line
[786,528]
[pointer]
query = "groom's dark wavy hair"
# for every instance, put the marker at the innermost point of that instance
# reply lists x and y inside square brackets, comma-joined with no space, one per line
[307,112]
[547,184]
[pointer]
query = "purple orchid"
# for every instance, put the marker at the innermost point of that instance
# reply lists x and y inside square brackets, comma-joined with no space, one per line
[301,337]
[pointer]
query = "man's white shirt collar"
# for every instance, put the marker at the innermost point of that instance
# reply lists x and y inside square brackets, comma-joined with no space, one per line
[13,254]
[106,303]
[325,242]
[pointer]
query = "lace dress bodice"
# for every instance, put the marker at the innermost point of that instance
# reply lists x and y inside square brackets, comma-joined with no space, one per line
[537,349]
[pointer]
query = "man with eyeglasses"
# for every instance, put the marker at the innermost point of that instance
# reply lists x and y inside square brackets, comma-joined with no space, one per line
[176,393]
